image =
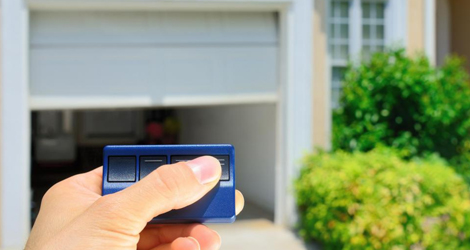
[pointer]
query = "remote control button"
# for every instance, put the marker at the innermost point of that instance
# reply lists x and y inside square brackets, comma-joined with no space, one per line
[224,163]
[223,159]
[150,163]
[121,168]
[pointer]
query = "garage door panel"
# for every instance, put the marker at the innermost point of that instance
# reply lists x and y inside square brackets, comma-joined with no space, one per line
[77,28]
[155,72]
[156,55]
[81,71]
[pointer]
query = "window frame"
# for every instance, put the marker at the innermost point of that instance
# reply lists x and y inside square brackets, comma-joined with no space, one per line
[395,25]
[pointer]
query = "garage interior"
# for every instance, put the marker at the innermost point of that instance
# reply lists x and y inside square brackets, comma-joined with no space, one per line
[70,142]
[148,77]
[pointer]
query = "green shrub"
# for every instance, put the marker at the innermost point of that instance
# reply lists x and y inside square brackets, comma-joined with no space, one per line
[461,163]
[377,200]
[404,103]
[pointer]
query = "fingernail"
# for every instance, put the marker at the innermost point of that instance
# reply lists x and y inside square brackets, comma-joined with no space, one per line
[205,168]
[196,243]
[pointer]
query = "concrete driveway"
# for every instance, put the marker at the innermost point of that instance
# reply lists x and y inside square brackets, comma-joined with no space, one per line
[257,234]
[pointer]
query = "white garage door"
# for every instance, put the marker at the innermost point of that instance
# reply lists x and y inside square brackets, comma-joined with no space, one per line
[120,59]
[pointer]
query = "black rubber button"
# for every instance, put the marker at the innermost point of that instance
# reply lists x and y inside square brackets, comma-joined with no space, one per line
[149,163]
[121,168]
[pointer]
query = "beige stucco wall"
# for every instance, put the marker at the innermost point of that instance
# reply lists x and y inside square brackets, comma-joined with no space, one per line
[416,26]
[460,30]
[321,86]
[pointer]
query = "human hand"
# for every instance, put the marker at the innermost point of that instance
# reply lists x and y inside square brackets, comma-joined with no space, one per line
[74,215]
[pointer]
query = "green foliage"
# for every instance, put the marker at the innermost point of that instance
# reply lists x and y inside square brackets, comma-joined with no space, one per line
[461,163]
[377,200]
[407,104]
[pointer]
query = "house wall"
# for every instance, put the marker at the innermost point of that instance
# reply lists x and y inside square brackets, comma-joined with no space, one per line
[0,123]
[321,87]
[416,26]
[15,127]
[460,37]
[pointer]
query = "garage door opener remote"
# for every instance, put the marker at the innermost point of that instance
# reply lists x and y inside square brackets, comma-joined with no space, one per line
[124,165]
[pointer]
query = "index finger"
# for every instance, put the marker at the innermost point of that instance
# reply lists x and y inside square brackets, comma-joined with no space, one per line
[91,180]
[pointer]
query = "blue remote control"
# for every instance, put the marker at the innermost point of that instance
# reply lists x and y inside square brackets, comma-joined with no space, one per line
[124,165]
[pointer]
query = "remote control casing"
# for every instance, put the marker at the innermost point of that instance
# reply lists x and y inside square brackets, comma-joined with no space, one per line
[124,165]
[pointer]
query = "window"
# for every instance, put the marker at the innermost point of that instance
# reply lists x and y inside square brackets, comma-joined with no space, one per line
[373,27]
[337,74]
[346,19]
[339,31]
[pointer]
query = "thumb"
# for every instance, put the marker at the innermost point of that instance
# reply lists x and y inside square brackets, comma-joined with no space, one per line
[169,187]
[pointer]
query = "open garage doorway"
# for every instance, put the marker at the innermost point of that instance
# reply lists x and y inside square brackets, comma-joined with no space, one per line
[65,143]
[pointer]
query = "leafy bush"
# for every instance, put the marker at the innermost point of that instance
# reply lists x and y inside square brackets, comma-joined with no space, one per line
[377,200]
[407,104]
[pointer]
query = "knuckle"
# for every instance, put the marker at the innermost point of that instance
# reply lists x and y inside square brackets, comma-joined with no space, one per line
[108,207]
[111,217]
[174,183]
[52,193]
[168,186]
[60,188]
[47,197]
